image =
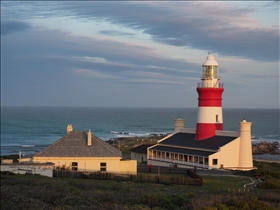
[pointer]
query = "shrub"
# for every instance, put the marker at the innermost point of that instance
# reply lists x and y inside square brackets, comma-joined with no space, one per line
[151,200]
[222,207]
[270,183]
[178,200]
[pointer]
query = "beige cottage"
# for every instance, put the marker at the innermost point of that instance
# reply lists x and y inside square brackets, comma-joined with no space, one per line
[82,151]
[228,150]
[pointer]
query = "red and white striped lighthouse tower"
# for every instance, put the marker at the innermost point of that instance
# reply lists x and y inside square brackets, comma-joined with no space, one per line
[210,115]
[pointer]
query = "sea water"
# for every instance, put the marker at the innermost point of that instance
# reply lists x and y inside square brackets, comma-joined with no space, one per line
[31,129]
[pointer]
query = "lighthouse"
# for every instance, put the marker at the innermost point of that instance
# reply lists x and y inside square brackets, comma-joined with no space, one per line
[210,115]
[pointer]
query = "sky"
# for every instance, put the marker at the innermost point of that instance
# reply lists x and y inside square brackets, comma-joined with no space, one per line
[137,53]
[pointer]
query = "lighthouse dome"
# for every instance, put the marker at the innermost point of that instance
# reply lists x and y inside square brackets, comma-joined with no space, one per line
[210,61]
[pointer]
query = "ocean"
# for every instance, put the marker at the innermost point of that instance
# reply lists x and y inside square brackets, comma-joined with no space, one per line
[30,129]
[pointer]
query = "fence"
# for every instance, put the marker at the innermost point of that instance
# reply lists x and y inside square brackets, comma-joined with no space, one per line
[162,169]
[161,179]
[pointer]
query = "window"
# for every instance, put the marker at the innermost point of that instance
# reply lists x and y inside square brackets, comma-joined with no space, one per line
[215,162]
[200,160]
[217,118]
[158,154]
[206,161]
[180,157]
[74,166]
[102,166]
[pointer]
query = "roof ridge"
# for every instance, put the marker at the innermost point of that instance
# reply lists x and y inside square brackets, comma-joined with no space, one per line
[68,146]
[53,144]
[108,146]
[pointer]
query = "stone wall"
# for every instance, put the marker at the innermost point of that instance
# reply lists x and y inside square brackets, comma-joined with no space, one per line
[29,168]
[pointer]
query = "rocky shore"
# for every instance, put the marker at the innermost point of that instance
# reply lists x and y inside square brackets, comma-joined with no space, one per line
[266,148]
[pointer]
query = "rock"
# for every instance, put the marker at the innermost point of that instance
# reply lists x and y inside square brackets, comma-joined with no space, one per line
[266,148]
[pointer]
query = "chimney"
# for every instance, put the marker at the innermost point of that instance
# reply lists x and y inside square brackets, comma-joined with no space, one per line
[89,138]
[179,124]
[69,128]
[245,147]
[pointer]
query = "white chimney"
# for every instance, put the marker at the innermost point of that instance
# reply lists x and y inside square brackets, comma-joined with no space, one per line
[179,124]
[69,128]
[89,141]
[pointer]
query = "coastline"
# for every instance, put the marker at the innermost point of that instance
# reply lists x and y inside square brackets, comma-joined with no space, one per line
[262,151]
[267,158]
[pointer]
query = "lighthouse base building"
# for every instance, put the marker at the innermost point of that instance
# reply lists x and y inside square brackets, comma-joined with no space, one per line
[208,146]
[225,150]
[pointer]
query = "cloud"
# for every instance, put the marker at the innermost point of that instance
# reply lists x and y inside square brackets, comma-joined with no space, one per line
[157,81]
[12,26]
[115,33]
[217,27]
[52,55]
[220,27]
[93,59]
[46,64]
[93,74]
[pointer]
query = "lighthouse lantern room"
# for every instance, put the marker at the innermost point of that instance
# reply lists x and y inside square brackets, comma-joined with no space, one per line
[210,72]
[210,116]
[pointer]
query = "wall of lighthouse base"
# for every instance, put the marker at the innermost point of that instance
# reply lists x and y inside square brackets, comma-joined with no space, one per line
[207,130]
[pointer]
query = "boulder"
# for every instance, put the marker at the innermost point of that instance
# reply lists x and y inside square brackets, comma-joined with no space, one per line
[266,148]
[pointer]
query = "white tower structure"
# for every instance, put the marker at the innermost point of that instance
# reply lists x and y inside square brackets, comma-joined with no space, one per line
[245,147]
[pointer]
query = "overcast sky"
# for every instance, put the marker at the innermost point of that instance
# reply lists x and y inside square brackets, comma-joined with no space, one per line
[137,54]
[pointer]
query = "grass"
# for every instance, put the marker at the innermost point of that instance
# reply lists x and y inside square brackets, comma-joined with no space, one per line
[127,143]
[37,192]
[224,182]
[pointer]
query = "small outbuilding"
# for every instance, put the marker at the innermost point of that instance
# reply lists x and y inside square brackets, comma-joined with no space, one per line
[82,151]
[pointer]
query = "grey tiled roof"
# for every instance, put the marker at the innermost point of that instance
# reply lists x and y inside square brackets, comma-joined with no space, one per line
[185,143]
[74,144]
[187,140]
[142,149]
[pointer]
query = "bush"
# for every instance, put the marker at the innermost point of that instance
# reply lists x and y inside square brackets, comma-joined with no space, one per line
[264,172]
[225,201]
[222,207]
[270,183]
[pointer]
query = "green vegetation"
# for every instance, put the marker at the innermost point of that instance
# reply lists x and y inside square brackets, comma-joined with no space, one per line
[127,143]
[224,182]
[267,173]
[37,192]
[217,192]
